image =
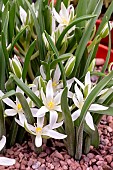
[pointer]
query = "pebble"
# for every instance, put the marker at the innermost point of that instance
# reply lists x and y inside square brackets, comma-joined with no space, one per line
[109,158]
[36,165]
[99,61]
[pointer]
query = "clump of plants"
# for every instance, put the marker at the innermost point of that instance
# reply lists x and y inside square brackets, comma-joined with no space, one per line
[46,68]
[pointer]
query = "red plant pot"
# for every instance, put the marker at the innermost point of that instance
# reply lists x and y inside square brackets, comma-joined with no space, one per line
[106,39]
[102,52]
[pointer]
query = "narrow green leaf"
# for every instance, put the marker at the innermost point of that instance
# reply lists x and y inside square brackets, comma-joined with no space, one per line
[27,59]
[81,5]
[27,91]
[38,31]
[17,38]
[25,108]
[6,55]
[76,21]
[85,38]
[56,57]
[61,58]
[2,71]
[69,126]
[12,14]
[2,121]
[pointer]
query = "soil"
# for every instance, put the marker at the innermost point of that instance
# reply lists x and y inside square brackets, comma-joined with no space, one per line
[56,157]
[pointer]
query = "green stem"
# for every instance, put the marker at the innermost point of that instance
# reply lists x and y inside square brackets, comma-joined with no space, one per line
[87,144]
[79,142]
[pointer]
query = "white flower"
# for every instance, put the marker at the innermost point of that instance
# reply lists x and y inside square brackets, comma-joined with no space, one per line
[23,15]
[3,160]
[79,100]
[51,103]
[65,15]
[39,131]
[57,84]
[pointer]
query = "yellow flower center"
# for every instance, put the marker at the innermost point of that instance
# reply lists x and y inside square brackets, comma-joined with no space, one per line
[19,106]
[51,105]
[54,84]
[64,21]
[38,129]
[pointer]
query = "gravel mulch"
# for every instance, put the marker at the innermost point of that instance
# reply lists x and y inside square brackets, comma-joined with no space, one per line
[55,157]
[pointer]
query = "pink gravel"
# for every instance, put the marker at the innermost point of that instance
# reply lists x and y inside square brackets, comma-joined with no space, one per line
[55,157]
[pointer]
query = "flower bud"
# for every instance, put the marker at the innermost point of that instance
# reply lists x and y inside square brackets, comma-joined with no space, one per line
[92,65]
[16,66]
[105,30]
[70,65]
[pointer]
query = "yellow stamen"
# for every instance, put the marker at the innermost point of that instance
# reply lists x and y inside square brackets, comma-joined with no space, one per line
[54,84]
[19,106]
[51,105]
[64,21]
[38,129]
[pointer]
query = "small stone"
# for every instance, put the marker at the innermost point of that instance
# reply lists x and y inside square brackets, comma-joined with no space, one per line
[95,167]
[59,155]
[23,167]
[111,164]
[106,167]
[109,129]
[17,165]
[99,61]
[65,167]
[36,165]
[42,155]
[109,158]
[90,155]
[99,163]
[111,149]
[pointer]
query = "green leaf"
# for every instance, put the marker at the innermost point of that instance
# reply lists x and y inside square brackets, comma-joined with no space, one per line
[76,21]
[69,126]
[94,136]
[27,91]
[25,108]
[61,58]
[56,57]
[81,5]
[2,71]
[17,38]
[12,14]
[85,38]
[38,32]
[27,59]
[6,55]
[2,121]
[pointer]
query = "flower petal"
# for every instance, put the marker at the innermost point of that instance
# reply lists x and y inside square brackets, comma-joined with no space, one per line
[10,112]
[64,12]
[75,101]
[56,125]
[89,121]
[57,98]
[69,83]
[38,141]
[9,102]
[40,121]
[7,161]
[54,134]
[57,74]
[95,107]
[41,112]
[34,111]
[49,91]
[87,79]
[42,72]
[18,122]
[76,114]
[53,117]
[57,16]
[2,142]
[79,94]
[22,118]
[43,97]
[79,83]
[58,108]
